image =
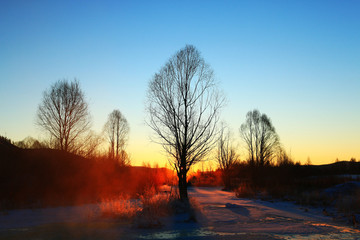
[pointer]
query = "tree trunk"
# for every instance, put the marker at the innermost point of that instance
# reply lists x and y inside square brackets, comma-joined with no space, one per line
[226,177]
[183,186]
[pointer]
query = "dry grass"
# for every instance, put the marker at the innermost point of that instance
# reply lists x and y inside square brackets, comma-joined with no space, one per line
[155,205]
[121,208]
[150,209]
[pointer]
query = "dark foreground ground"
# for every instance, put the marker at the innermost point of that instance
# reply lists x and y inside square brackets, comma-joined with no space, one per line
[220,216]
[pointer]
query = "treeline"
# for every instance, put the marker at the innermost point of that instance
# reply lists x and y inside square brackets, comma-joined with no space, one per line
[49,177]
[267,166]
[291,181]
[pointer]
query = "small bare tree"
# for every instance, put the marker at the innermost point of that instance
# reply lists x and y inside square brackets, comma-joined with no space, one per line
[283,159]
[64,114]
[31,143]
[226,157]
[260,138]
[117,131]
[183,106]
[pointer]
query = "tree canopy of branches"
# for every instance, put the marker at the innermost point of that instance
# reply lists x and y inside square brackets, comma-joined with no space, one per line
[31,143]
[184,105]
[260,137]
[226,157]
[63,113]
[117,131]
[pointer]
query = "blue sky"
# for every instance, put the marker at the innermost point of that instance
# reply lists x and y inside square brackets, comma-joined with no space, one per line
[296,61]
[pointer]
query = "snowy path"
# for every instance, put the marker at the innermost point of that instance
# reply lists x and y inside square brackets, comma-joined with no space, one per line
[225,213]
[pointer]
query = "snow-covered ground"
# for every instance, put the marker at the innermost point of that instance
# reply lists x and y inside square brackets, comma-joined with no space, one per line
[222,216]
[226,213]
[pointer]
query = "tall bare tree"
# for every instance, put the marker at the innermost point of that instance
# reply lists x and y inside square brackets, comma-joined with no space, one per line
[260,138]
[64,114]
[226,157]
[117,131]
[183,106]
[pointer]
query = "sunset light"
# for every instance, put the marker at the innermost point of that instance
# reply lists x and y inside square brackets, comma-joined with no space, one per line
[297,62]
[146,110]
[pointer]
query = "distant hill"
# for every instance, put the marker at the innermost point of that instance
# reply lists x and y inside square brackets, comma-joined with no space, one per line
[341,167]
[31,177]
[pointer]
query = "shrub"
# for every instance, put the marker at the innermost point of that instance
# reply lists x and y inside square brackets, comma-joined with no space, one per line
[157,205]
[245,190]
[206,179]
[5,140]
[121,208]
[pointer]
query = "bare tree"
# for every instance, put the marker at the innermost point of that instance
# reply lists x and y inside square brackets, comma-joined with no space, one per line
[283,159]
[183,106]
[226,157]
[31,143]
[64,114]
[308,161]
[117,130]
[260,138]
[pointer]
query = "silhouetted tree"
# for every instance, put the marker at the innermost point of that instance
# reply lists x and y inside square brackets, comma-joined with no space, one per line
[184,105]
[283,159]
[5,140]
[63,113]
[260,137]
[117,130]
[32,143]
[226,157]
[308,161]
